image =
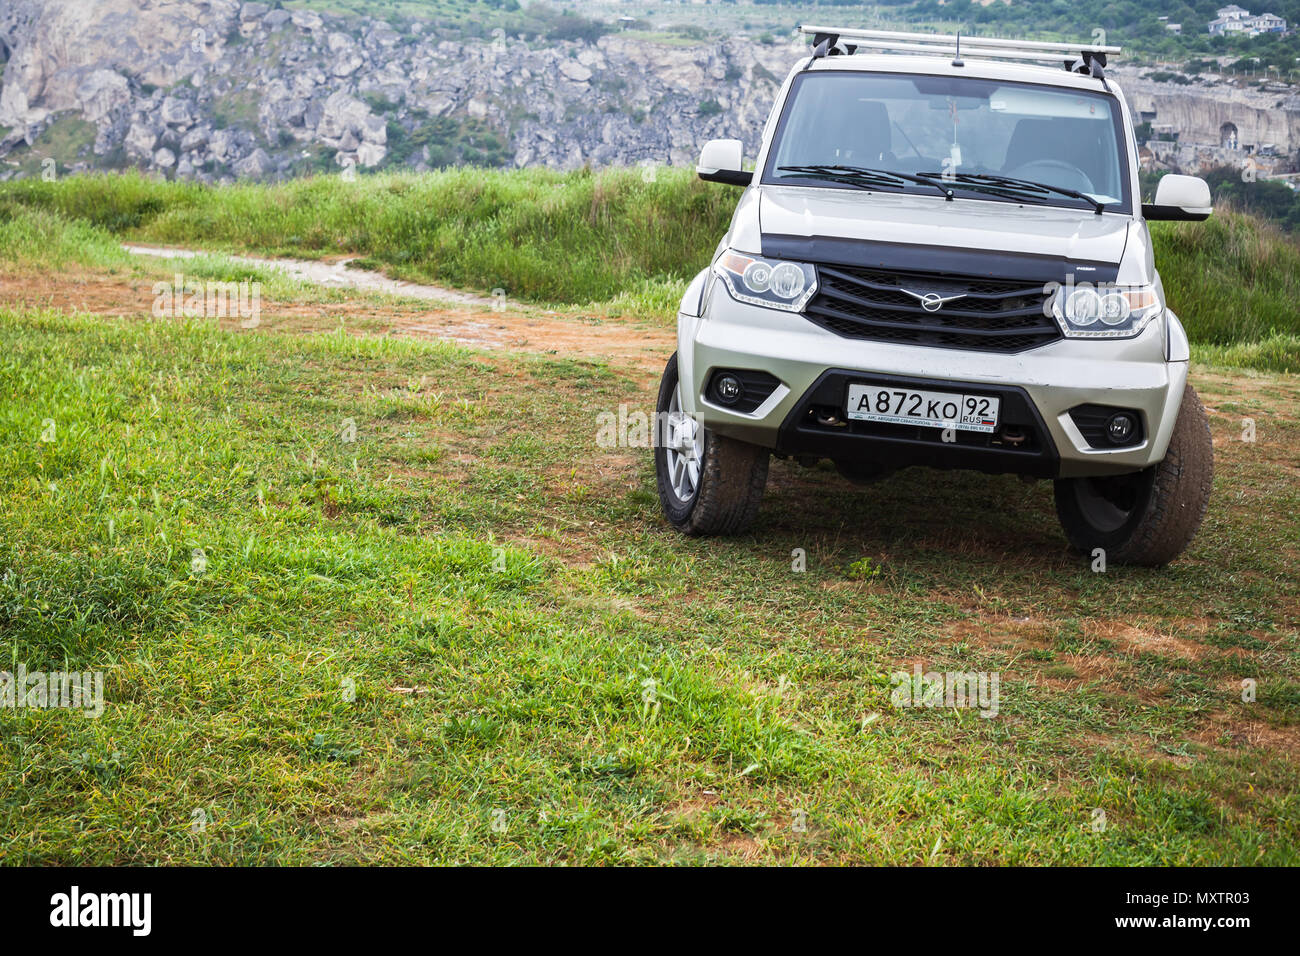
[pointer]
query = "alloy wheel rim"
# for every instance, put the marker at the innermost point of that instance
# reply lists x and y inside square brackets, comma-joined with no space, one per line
[683,449]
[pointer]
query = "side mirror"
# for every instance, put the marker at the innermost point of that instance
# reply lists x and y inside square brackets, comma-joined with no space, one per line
[1180,199]
[720,162]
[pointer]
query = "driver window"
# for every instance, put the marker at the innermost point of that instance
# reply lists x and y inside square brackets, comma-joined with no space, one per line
[1067,152]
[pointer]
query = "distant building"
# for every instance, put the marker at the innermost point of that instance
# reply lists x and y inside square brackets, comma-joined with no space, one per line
[1233,20]
[1226,26]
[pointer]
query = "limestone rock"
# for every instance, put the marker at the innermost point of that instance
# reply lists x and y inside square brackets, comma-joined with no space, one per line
[141,139]
[253,166]
[102,93]
[176,112]
[575,71]
[341,113]
[371,154]
[306,19]
[158,77]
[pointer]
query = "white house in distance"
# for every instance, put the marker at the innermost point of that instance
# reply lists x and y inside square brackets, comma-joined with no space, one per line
[1270,23]
[1234,20]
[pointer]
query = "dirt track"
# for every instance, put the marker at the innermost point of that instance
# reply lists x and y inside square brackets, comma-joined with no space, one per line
[336,274]
[467,319]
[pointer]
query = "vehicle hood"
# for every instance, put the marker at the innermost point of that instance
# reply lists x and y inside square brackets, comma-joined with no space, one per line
[975,224]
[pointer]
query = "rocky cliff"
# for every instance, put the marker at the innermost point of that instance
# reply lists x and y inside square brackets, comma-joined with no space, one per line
[1209,113]
[214,89]
[218,90]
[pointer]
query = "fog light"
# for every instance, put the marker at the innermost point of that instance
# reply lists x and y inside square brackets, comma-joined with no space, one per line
[728,389]
[1120,427]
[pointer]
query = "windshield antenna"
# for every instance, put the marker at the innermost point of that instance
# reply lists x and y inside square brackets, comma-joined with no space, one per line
[956,60]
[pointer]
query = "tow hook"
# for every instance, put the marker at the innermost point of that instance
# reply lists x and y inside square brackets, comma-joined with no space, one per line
[830,419]
[1011,435]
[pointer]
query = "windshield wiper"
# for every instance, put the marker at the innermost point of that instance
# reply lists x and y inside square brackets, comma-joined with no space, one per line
[1007,185]
[864,176]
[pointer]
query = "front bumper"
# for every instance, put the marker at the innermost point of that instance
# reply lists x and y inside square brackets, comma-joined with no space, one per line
[1039,387]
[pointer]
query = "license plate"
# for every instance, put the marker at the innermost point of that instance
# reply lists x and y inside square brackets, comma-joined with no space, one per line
[907,406]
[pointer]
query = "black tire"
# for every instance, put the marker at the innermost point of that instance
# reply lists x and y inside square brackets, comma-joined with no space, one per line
[732,475]
[1149,517]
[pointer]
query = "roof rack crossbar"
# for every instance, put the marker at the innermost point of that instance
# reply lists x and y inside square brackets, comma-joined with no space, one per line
[1088,59]
[936,50]
[968,41]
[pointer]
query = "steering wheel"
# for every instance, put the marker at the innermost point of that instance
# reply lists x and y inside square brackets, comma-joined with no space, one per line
[1068,175]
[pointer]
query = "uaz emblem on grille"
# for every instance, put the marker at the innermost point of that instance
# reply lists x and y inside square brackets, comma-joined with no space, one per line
[933,301]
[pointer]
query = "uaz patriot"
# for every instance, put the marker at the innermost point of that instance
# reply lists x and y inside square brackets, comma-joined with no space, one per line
[941,258]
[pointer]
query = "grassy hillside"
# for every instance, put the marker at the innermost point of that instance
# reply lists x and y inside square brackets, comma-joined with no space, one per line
[541,236]
[607,237]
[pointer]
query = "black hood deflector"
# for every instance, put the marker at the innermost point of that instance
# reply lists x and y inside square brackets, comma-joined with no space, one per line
[953,260]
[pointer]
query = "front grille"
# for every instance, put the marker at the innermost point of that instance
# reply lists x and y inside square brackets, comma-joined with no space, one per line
[991,315]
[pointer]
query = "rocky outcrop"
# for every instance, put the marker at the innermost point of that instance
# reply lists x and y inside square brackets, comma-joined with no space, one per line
[214,89]
[102,94]
[1212,111]
[219,90]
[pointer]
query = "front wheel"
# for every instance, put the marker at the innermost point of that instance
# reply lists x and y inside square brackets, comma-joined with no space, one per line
[708,484]
[1150,516]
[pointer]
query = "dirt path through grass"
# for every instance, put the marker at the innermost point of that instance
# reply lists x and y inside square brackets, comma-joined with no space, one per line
[476,321]
[334,273]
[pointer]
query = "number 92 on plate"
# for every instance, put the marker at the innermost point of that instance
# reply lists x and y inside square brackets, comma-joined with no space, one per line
[905,406]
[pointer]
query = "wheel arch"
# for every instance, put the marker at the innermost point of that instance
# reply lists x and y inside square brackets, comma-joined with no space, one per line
[689,316]
[1177,347]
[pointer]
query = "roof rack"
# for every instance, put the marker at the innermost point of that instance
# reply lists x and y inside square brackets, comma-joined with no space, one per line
[1089,59]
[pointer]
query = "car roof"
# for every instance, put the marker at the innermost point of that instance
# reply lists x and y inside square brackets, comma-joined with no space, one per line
[973,67]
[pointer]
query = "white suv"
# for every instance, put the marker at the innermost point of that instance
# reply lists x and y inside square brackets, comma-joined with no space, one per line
[941,258]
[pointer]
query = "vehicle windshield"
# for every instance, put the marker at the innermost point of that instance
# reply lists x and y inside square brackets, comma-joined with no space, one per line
[976,134]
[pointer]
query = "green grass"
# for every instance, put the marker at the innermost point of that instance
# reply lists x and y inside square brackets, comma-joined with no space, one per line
[544,237]
[37,238]
[1273,353]
[1232,279]
[609,239]
[235,109]
[496,590]
[66,140]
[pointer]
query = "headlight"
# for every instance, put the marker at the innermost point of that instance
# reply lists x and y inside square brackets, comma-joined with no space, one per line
[1103,311]
[767,282]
